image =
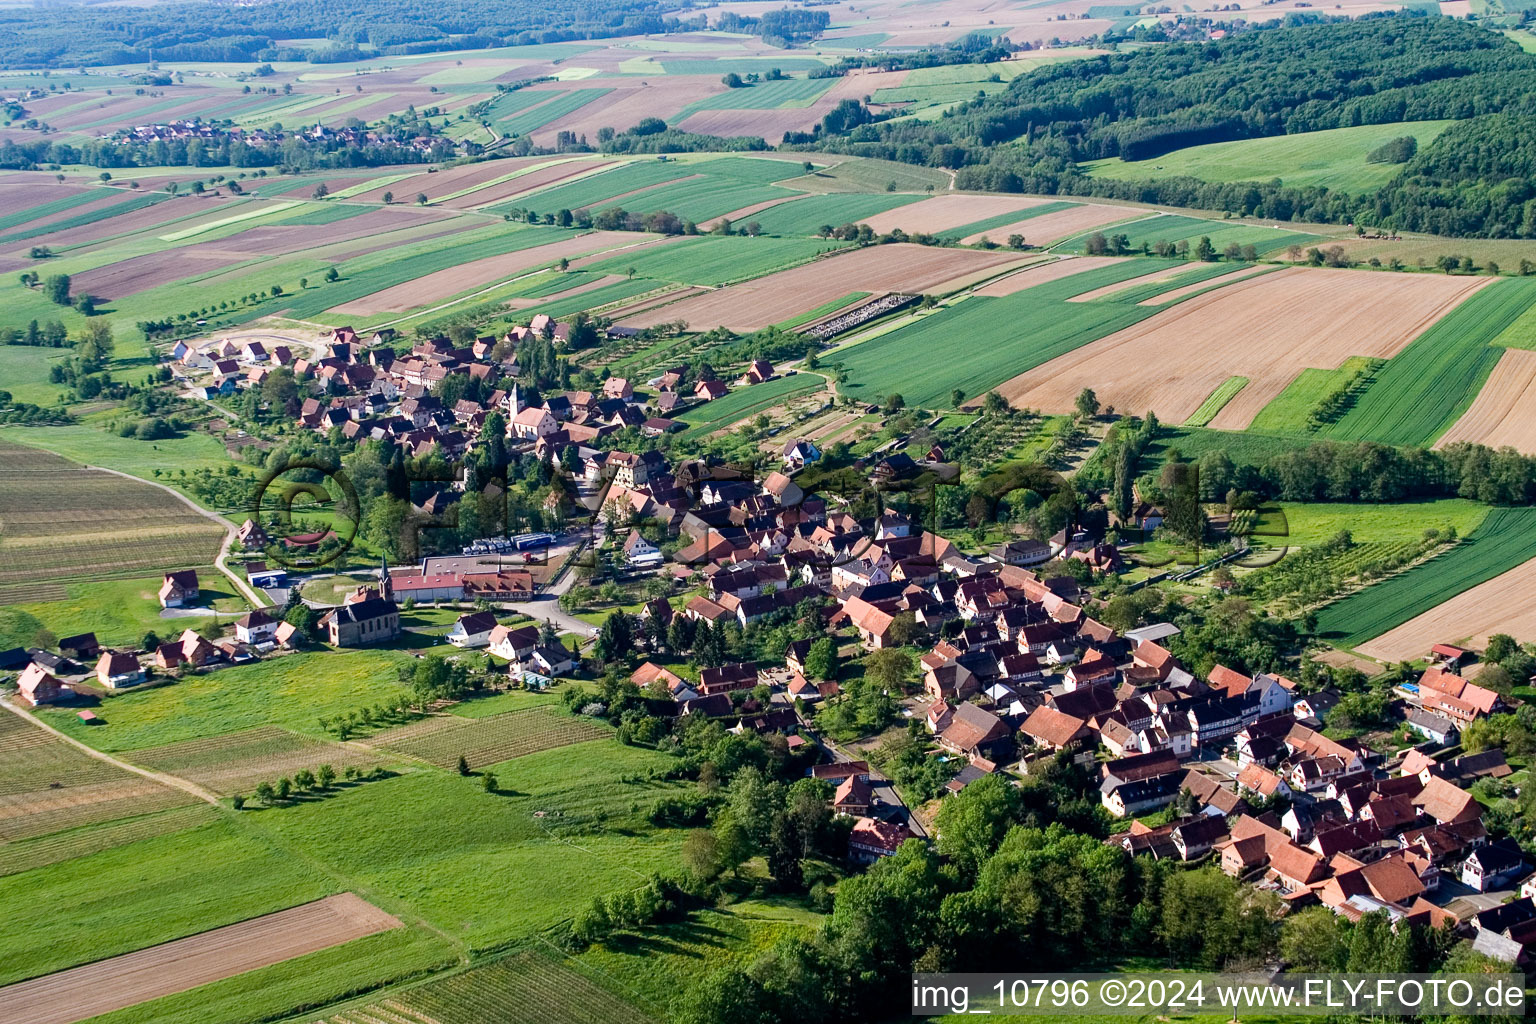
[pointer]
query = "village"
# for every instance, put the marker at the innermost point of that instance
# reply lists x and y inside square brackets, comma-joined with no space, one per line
[998,660]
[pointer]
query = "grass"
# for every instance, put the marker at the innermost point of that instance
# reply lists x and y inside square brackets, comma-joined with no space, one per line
[866,174]
[24,369]
[89,446]
[749,401]
[481,866]
[977,344]
[807,216]
[525,988]
[595,188]
[1333,159]
[1425,388]
[1174,228]
[1520,334]
[699,199]
[41,851]
[1290,411]
[130,897]
[714,259]
[1216,401]
[442,739]
[596,297]
[119,612]
[292,691]
[1308,523]
[1246,447]
[1505,539]
[59,205]
[238,762]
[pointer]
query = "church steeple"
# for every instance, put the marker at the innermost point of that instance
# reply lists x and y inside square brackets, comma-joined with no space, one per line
[386,590]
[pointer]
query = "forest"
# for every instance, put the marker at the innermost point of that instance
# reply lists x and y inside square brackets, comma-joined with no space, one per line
[1472,181]
[200,30]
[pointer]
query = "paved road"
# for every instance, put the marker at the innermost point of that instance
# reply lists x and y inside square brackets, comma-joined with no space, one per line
[229,532]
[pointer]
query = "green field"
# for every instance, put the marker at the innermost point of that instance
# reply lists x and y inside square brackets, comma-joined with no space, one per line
[101,213]
[537,117]
[596,297]
[1506,538]
[1520,334]
[1426,387]
[119,612]
[292,691]
[1213,404]
[59,205]
[1168,227]
[719,67]
[807,216]
[715,259]
[980,342]
[1333,159]
[789,92]
[866,174]
[749,401]
[89,446]
[596,188]
[1308,523]
[1291,409]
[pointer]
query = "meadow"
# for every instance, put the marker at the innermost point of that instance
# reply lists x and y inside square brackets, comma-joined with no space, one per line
[442,739]
[1505,539]
[237,762]
[1291,410]
[1223,394]
[1308,523]
[980,342]
[119,611]
[1426,387]
[291,691]
[1176,228]
[744,402]
[1333,159]
[534,118]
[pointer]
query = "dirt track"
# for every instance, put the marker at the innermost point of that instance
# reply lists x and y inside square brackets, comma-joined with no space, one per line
[1267,328]
[81,992]
[1502,605]
[1504,412]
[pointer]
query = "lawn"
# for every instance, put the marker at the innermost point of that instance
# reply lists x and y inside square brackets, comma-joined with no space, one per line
[748,401]
[809,215]
[24,373]
[1426,387]
[89,446]
[1505,539]
[1169,227]
[481,866]
[1290,411]
[715,259]
[1224,393]
[119,612]
[979,343]
[156,890]
[1333,159]
[292,691]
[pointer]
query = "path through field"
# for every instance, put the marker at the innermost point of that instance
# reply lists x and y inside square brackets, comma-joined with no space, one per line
[122,981]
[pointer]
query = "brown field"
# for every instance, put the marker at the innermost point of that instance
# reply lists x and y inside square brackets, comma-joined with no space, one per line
[140,273]
[769,125]
[1189,289]
[752,305]
[1267,328]
[1343,659]
[148,218]
[1053,227]
[441,183]
[446,283]
[276,239]
[1043,273]
[940,212]
[590,286]
[630,102]
[525,182]
[1501,605]
[122,981]
[1504,412]
[1166,274]
[26,195]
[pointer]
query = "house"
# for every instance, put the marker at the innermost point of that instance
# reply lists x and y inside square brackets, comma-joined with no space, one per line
[256,627]
[286,635]
[1262,782]
[80,647]
[854,797]
[116,670]
[37,685]
[1493,866]
[372,620]
[512,644]
[973,731]
[759,371]
[533,423]
[1433,726]
[650,673]
[1054,730]
[706,390]
[874,625]
[552,660]
[1132,798]
[640,552]
[473,630]
[178,589]
[800,453]
[870,839]
[724,679]
[251,535]
[1195,837]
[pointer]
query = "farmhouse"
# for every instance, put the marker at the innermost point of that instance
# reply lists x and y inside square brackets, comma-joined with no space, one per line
[512,644]
[870,839]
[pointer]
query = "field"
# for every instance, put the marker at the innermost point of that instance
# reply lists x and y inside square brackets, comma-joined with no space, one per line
[1267,328]
[1501,413]
[749,401]
[443,739]
[1218,399]
[1501,605]
[1174,228]
[48,786]
[1291,409]
[1333,159]
[715,260]
[1046,226]
[183,964]
[1425,389]
[953,214]
[976,345]
[291,691]
[769,299]
[41,851]
[61,523]
[809,215]
[1308,523]
[1505,540]
[119,612]
[526,988]
[236,762]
